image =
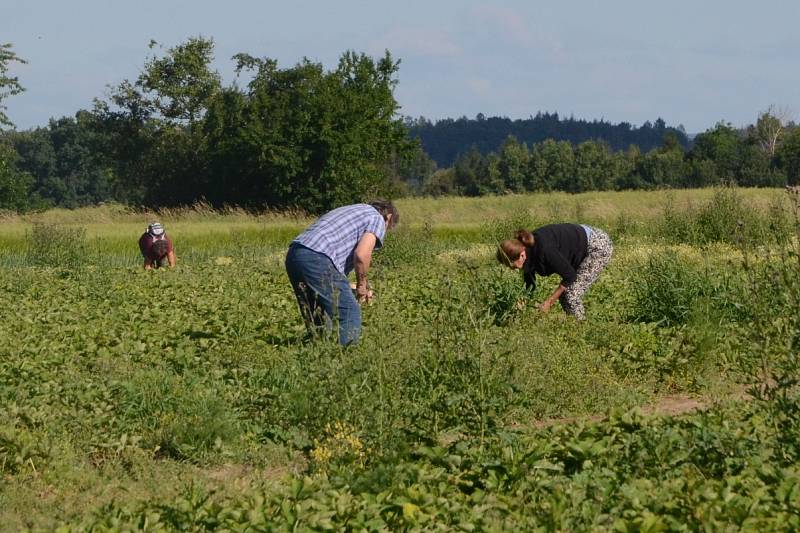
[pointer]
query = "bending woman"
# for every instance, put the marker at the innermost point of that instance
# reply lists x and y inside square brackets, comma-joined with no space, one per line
[577,253]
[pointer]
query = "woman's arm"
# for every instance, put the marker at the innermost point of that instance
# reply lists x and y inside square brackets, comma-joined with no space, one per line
[558,265]
[545,305]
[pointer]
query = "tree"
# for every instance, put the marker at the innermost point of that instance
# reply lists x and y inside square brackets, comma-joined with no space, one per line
[513,164]
[446,139]
[723,146]
[770,127]
[551,166]
[305,137]
[664,166]
[15,185]
[471,174]
[179,85]
[155,124]
[67,160]
[593,167]
[415,169]
[789,156]
[9,86]
[627,165]
[441,182]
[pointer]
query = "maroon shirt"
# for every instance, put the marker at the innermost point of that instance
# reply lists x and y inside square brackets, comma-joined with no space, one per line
[146,245]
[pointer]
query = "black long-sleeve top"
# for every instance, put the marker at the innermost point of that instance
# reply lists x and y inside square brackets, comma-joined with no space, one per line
[557,249]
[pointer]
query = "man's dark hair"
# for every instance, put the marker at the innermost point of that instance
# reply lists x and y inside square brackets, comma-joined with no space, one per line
[386,208]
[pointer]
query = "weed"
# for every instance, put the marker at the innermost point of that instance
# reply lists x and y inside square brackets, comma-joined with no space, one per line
[51,245]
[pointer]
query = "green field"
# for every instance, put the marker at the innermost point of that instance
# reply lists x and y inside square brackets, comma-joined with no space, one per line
[188,399]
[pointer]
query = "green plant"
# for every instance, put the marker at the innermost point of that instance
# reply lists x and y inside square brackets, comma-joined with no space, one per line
[189,399]
[506,296]
[51,245]
[666,290]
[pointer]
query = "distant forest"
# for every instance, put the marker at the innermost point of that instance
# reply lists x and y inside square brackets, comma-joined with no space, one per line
[444,140]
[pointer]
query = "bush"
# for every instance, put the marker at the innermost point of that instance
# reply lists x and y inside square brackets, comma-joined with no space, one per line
[506,296]
[725,218]
[51,245]
[665,290]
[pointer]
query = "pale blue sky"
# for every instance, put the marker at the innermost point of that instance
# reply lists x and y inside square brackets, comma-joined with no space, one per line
[691,62]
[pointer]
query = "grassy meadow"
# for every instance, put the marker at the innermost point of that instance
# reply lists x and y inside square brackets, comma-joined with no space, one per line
[189,399]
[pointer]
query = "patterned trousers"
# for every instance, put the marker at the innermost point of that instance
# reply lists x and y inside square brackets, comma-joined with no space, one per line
[599,254]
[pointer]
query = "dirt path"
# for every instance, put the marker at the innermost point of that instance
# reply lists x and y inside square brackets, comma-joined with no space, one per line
[669,405]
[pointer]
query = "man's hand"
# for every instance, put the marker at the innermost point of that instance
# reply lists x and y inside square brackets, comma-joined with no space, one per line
[545,306]
[364,294]
[361,260]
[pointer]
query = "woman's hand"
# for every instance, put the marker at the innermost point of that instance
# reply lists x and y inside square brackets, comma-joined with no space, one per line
[545,305]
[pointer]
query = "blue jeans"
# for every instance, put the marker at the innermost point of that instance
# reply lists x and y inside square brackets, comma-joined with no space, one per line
[323,294]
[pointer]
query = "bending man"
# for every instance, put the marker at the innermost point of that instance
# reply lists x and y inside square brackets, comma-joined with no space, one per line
[321,257]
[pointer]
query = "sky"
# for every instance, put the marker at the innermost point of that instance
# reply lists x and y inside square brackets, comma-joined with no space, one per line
[691,62]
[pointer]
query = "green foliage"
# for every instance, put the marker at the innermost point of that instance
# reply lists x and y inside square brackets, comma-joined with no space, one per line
[9,86]
[52,245]
[15,184]
[20,449]
[788,156]
[725,218]
[720,155]
[181,83]
[176,418]
[666,290]
[627,473]
[296,137]
[506,296]
[67,161]
[189,398]
[774,279]
[448,138]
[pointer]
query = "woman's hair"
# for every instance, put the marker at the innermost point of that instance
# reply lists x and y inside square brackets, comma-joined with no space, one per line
[510,249]
[524,236]
[386,208]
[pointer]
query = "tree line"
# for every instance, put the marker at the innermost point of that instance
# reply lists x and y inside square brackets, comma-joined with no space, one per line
[445,140]
[290,137]
[764,155]
[312,138]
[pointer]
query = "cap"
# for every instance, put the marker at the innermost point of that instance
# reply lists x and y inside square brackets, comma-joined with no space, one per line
[155,229]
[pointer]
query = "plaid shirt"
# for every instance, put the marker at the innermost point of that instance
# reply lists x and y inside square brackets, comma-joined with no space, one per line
[336,233]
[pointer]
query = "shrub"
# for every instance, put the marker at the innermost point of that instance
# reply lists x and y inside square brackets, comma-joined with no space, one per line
[725,218]
[52,245]
[506,296]
[665,290]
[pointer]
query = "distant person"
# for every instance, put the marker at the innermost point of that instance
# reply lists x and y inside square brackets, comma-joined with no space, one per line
[577,253]
[156,247]
[320,258]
